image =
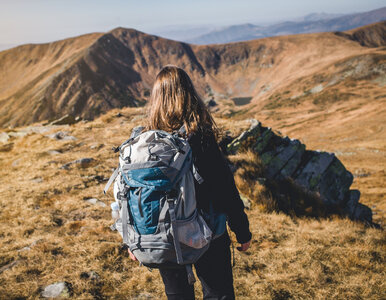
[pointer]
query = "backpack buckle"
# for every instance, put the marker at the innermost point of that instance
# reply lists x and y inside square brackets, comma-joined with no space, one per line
[171,195]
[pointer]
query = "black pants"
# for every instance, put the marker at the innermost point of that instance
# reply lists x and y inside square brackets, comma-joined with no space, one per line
[214,270]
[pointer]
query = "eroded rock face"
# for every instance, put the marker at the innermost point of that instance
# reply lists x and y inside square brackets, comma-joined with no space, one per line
[288,164]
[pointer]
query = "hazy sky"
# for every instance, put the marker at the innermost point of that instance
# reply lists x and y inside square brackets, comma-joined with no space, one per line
[26,21]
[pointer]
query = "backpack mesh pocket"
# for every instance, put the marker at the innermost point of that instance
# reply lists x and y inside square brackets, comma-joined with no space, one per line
[194,232]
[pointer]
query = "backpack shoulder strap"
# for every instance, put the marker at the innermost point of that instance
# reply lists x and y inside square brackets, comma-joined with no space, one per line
[112,178]
[134,133]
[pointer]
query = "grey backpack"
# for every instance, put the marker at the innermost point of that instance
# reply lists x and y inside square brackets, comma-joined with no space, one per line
[154,187]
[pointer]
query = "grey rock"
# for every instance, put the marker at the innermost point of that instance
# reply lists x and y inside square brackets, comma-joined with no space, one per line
[16,162]
[95,201]
[363,213]
[37,180]
[335,183]
[284,155]
[82,163]
[291,166]
[34,243]
[39,129]
[262,141]
[4,137]
[352,202]
[253,132]
[57,290]
[53,152]
[17,134]
[65,120]
[310,175]
[92,275]
[211,103]
[98,146]
[318,176]
[61,135]
[316,89]
[24,249]
[8,266]
[246,201]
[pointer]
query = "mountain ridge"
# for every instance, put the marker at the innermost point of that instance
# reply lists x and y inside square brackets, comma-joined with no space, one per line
[250,31]
[88,75]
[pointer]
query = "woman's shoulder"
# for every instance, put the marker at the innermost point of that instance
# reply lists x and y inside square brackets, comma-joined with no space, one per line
[202,139]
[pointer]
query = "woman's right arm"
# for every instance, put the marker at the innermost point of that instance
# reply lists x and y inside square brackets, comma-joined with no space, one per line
[213,167]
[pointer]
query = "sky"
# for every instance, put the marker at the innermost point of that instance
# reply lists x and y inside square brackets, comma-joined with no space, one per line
[38,21]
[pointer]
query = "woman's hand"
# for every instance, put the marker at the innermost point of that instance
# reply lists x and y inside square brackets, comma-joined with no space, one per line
[132,257]
[244,247]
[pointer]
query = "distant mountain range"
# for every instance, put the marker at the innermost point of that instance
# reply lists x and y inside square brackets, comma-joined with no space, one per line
[309,24]
[88,75]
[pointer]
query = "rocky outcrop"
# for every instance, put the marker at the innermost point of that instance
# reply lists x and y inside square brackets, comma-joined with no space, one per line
[292,171]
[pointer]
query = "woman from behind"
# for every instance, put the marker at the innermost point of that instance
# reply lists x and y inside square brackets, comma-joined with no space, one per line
[175,103]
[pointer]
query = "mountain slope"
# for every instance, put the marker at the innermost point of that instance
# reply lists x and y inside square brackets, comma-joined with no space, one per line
[370,36]
[91,74]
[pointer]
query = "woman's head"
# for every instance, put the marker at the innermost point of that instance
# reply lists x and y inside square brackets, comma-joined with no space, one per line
[174,102]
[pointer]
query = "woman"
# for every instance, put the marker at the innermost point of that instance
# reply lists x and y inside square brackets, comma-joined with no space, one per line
[174,102]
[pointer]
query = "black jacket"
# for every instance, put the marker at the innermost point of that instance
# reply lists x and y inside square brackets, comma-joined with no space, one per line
[219,185]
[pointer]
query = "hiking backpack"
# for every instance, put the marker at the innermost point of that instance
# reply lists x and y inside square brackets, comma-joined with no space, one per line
[154,186]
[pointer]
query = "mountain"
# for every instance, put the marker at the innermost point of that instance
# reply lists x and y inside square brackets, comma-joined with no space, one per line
[318,17]
[182,32]
[370,36]
[91,74]
[309,24]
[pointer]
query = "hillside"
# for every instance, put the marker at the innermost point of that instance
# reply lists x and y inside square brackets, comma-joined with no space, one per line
[91,74]
[54,221]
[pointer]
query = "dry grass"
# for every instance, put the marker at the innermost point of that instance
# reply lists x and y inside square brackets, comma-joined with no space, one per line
[249,168]
[290,257]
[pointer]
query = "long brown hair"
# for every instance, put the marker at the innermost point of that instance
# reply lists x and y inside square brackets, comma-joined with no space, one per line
[174,102]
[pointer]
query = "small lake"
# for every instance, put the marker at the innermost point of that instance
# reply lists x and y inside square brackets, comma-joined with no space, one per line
[239,101]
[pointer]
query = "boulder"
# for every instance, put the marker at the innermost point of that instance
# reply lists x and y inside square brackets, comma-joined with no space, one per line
[61,135]
[4,137]
[57,290]
[352,203]
[82,163]
[95,201]
[292,172]
[211,103]
[363,213]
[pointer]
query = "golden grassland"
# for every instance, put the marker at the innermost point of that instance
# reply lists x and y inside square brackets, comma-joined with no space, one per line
[43,207]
